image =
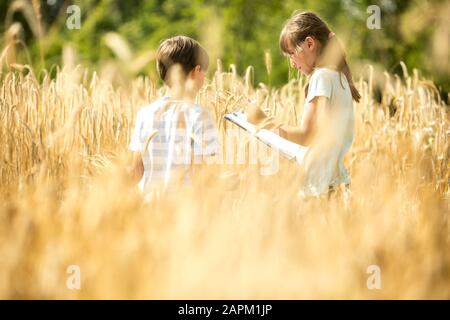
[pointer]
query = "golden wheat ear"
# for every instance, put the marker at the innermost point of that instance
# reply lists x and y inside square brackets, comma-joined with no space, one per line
[149,138]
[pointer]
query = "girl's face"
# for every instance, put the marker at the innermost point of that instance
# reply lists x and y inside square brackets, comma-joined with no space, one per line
[304,56]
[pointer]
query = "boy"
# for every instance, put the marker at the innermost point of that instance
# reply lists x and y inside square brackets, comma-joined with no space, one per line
[173,133]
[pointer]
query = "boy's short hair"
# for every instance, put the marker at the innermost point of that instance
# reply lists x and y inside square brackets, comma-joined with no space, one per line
[181,50]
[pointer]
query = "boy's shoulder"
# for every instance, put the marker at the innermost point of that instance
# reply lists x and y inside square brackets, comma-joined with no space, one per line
[152,106]
[193,110]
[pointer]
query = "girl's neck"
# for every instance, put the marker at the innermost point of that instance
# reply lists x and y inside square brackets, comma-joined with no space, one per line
[329,57]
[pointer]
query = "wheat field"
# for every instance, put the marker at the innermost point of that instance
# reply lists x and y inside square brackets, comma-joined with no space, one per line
[66,200]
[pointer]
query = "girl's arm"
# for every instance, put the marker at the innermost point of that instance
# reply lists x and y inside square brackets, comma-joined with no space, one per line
[302,134]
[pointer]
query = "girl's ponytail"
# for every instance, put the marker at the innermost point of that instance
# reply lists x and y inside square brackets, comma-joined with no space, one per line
[348,74]
[333,53]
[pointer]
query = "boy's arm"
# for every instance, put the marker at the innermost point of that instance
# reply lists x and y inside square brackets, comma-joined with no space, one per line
[205,140]
[206,152]
[135,170]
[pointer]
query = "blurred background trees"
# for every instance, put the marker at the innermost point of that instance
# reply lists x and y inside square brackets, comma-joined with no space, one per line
[125,34]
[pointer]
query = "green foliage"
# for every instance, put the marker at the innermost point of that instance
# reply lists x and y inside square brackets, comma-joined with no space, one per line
[247,30]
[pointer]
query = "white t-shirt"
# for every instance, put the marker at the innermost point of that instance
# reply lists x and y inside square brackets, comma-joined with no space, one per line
[183,131]
[324,164]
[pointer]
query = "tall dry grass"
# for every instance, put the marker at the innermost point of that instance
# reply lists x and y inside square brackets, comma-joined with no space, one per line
[65,199]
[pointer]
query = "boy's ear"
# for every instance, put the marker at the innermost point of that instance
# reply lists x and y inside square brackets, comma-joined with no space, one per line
[194,71]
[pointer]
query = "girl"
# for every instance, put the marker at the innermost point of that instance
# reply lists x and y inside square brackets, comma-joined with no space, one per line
[327,124]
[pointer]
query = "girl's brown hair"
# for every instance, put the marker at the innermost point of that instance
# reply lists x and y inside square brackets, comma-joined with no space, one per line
[304,24]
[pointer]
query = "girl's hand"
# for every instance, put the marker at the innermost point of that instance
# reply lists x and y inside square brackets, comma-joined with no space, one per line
[255,115]
[258,118]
